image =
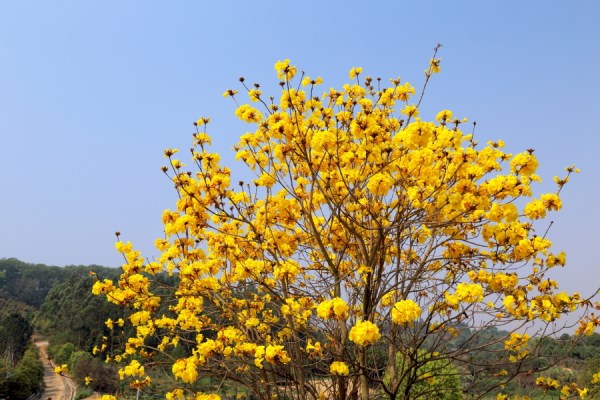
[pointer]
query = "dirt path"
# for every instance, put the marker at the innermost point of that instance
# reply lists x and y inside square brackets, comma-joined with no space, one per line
[56,386]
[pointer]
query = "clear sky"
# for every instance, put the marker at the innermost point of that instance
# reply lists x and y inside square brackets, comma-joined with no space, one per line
[92,92]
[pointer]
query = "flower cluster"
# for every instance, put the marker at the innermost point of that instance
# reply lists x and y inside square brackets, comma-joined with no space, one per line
[273,354]
[516,346]
[465,292]
[547,383]
[364,333]
[405,311]
[339,368]
[335,308]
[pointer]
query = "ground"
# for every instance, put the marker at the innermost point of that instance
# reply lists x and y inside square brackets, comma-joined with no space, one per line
[56,387]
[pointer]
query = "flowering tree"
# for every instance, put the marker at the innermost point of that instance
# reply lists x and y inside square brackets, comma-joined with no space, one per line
[367,236]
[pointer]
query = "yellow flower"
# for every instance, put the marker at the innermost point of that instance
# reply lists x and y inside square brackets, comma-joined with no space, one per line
[410,110]
[405,311]
[354,72]
[202,138]
[434,64]
[287,270]
[209,348]
[516,344]
[524,164]
[443,116]
[248,114]
[276,354]
[307,81]
[465,292]
[133,369]
[88,380]
[551,201]
[285,71]
[266,180]
[103,287]
[202,121]
[379,184]
[469,292]
[535,209]
[185,369]
[313,348]
[170,152]
[404,92]
[547,383]
[323,140]
[388,298]
[203,396]
[230,92]
[364,333]
[252,322]
[61,369]
[254,94]
[335,308]
[124,247]
[339,368]
[259,356]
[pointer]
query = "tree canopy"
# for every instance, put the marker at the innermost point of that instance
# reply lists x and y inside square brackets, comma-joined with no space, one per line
[367,235]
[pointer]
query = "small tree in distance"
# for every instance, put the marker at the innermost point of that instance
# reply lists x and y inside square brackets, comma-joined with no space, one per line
[367,236]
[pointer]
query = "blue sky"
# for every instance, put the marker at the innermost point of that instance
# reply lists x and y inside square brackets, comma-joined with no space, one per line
[92,92]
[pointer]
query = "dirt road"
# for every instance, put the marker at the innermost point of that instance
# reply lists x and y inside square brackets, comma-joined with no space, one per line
[57,387]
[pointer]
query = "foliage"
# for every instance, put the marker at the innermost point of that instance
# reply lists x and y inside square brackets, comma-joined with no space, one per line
[15,332]
[11,306]
[590,377]
[71,314]
[29,283]
[435,378]
[365,226]
[84,393]
[25,379]
[62,354]
[73,318]
[93,373]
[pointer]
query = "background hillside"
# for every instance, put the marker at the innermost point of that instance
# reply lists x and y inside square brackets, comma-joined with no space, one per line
[57,302]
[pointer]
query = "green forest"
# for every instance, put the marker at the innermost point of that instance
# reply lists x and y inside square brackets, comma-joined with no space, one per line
[56,303]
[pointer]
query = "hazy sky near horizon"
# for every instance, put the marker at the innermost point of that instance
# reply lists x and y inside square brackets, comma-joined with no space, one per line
[92,92]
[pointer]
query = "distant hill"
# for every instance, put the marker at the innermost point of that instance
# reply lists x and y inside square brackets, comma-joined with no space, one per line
[30,283]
